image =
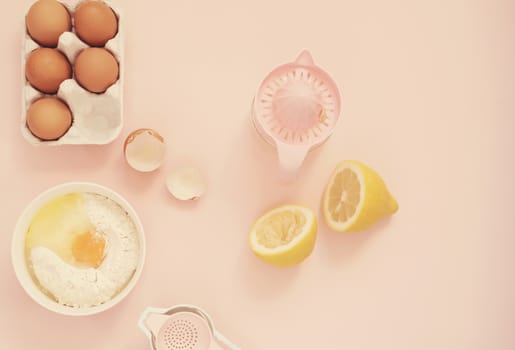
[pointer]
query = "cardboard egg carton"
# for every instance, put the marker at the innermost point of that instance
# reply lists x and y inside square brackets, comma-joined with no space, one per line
[97,118]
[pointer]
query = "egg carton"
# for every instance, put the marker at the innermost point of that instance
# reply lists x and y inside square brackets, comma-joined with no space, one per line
[97,118]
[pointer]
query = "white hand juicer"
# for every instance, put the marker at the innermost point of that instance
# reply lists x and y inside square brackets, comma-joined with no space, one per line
[182,327]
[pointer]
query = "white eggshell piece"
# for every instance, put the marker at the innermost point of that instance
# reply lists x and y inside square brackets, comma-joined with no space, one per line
[145,152]
[186,183]
[97,118]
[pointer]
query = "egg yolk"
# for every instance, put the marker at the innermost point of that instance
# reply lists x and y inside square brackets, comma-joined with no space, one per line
[88,249]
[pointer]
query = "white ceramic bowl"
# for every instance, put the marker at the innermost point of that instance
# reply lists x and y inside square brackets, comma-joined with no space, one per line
[18,245]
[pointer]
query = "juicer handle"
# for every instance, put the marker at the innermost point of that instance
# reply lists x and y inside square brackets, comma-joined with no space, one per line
[147,323]
[222,342]
[290,160]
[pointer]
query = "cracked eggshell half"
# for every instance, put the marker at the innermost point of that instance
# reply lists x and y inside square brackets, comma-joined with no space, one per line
[186,183]
[144,150]
[97,117]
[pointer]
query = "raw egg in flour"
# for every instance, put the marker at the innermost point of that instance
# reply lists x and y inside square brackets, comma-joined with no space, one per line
[81,249]
[46,21]
[96,69]
[63,227]
[95,23]
[88,249]
[46,69]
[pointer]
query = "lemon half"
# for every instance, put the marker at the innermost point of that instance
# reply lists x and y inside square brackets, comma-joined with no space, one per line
[356,198]
[284,236]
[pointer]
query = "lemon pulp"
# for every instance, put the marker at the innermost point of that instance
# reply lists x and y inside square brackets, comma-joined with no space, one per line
[284,236]
[356,197]
[344,195]
[280,228]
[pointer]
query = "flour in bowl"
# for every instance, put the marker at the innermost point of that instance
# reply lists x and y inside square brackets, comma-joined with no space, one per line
[63,270]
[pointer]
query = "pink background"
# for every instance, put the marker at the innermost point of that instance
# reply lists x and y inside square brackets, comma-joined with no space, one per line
[428,101]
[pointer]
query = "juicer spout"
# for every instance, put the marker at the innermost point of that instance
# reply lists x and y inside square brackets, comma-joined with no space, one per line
[305,59]
[290,160]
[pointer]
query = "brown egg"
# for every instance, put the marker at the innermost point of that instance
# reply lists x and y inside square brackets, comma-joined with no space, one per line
[96,69]
[46,69]
[46,21]
[49,118]
[95,23]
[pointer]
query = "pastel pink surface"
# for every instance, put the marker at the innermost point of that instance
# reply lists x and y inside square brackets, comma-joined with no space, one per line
[428,101]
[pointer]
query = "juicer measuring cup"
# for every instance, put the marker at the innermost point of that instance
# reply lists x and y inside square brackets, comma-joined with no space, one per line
[182,327]
[296,109]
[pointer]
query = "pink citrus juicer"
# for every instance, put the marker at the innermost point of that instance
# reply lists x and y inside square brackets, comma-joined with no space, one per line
[182,327]
[296,109]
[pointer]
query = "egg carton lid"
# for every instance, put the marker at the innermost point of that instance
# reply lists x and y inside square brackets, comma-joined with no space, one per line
[97,118]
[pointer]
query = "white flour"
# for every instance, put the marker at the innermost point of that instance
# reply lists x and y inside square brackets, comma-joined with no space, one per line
[80,287]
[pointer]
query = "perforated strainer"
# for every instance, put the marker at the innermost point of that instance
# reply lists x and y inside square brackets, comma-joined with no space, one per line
[182,327]
[295,109]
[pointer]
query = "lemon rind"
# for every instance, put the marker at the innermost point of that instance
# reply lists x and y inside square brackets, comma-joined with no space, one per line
[334,225]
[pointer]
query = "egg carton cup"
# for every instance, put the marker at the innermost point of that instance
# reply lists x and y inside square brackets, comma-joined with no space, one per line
[97,118]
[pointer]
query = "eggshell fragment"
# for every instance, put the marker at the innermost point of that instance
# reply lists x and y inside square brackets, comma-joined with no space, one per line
[186,183]
[144,150]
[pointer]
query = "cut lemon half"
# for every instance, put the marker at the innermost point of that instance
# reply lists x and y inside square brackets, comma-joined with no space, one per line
[356,198]
[284,236]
